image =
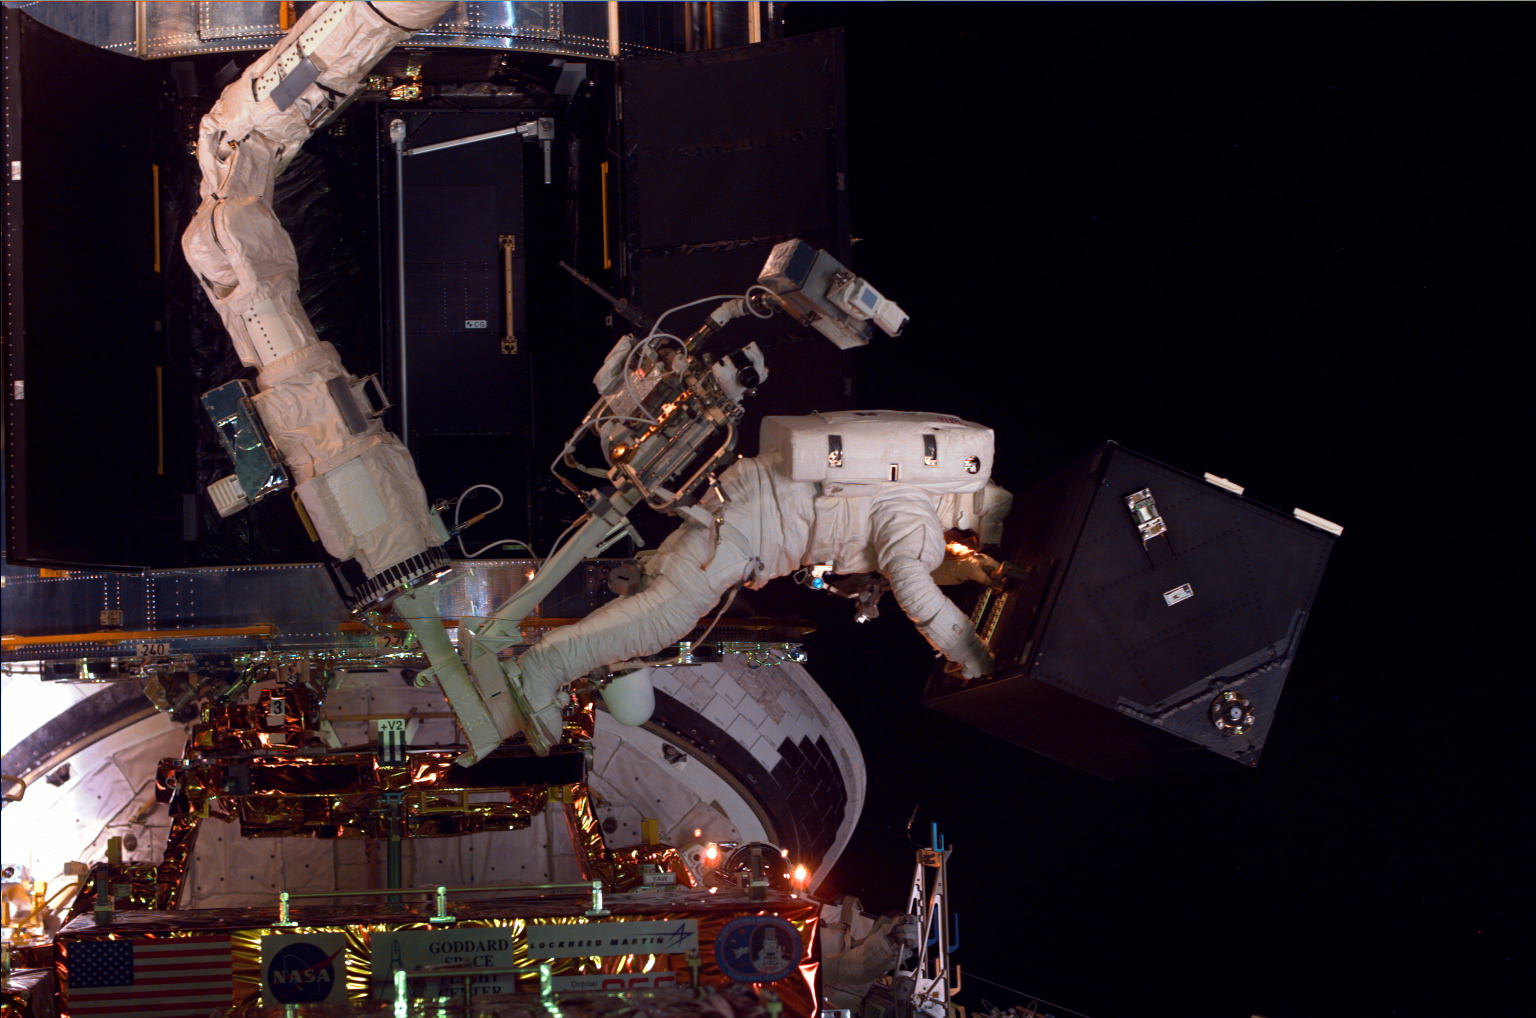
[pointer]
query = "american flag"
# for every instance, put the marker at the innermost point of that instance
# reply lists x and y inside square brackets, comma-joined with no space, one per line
[186,977]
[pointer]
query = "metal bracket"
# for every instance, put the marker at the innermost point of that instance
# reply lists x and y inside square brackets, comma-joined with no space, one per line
[441,915]
[258,465]
[597,908]
[1150,525]
[1143,509]
[541,130]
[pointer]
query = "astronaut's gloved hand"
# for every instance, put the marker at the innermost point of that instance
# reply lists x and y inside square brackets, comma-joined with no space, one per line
[906,931]
[975,660]
[974,566]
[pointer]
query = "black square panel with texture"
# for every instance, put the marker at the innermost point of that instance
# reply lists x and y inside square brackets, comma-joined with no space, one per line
[1122,654]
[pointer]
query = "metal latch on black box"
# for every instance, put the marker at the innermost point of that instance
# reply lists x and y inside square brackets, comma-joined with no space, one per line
[1150,525]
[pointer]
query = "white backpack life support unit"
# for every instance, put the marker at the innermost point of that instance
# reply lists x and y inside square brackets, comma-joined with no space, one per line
[935,451]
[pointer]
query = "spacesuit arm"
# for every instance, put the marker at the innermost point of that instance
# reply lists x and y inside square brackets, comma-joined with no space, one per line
[874,956]
[909,546]
[864,962]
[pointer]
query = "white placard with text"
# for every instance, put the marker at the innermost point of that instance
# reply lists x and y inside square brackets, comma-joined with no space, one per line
[470,947]
[586,940]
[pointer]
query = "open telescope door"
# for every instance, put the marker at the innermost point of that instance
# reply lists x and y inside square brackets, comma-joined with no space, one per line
[759,157]
[88,479]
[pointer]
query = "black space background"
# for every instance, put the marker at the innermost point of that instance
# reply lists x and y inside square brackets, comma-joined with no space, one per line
[1275,243]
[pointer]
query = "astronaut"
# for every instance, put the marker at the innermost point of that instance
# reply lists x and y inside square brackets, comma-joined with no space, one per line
[771,525]
[857,950]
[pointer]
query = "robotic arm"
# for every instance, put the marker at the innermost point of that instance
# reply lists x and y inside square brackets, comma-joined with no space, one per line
[356,481]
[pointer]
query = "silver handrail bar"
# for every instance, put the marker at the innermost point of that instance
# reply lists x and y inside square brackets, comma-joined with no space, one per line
[441,892]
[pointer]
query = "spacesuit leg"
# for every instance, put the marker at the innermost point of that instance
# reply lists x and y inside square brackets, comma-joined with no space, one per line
[690,572]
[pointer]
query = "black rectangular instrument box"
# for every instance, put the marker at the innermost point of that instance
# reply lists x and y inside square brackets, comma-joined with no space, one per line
[1157,623]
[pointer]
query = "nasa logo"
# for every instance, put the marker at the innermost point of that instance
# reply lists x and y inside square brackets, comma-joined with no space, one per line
[758,949]
[301,974]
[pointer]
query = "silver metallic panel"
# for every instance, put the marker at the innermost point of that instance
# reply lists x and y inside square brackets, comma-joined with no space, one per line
[591,48]
[171,29]
[521,20]
[257,463]
[298,601]
[108,25]
[183,27]
[236,19]
[564,29]
[175,28]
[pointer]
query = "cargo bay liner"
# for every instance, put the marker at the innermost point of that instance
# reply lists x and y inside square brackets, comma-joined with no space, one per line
[470,163]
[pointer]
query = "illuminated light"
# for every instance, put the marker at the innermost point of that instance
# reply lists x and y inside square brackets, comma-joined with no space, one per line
[712,853]
[712,890]
[959,550]
[801,875]
[698,832]
[529,575]
[783,853]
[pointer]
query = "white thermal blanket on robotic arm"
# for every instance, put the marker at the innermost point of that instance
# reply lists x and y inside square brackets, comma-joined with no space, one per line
[359,488]
[770,527]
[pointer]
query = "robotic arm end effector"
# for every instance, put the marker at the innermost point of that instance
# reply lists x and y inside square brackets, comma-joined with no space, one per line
[817,290]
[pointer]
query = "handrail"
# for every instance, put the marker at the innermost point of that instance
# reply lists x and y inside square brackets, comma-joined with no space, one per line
[284,917]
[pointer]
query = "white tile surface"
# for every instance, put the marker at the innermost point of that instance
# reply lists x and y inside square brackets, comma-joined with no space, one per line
[765,751]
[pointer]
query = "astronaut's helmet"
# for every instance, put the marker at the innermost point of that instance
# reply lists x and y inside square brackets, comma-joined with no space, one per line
[981,512]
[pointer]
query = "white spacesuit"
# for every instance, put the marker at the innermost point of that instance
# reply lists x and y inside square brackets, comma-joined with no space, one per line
[857,950]
[770,526]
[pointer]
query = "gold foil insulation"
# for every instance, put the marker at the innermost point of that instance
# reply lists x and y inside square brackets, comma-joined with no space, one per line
[246,926]
[620,869]
[171,874]
[267,765]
